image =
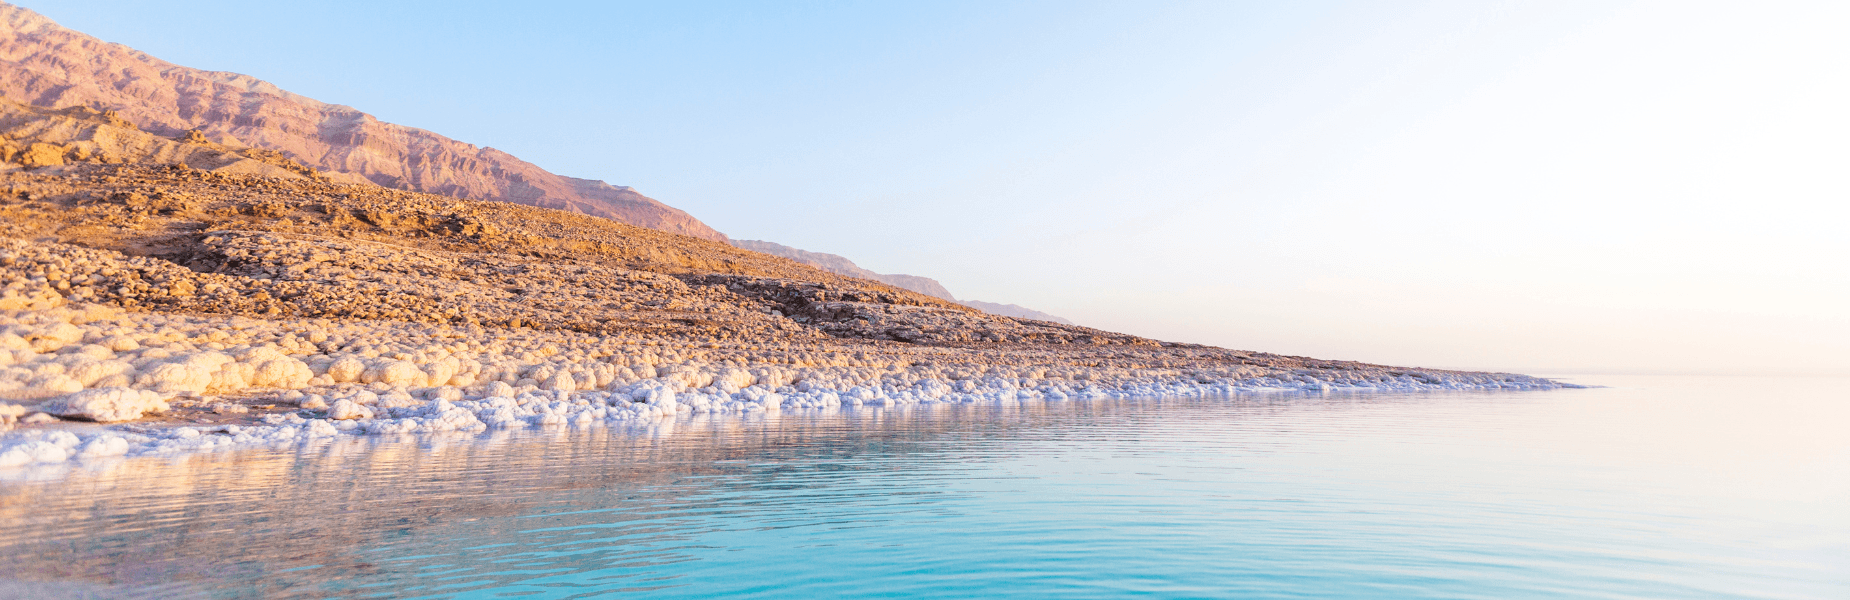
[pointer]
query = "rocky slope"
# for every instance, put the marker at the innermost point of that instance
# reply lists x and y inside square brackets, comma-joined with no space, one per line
[218,211]
[44,64]
[835,263]
[254,301]
[840,265]
[39,137]
[238,296]
[154,104]
[1012,310]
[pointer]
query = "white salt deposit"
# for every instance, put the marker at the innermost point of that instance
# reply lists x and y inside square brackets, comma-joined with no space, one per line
[92,363]
[107,405]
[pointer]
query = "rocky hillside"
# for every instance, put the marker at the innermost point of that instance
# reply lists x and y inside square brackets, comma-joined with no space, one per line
[247,231]
[840,265]
[231,288]
[44,64]
[1012,310]
[165,252]
[34,137]
[56,78]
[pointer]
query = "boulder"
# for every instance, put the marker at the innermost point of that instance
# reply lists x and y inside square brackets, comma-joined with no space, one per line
[347,409]
[107,405]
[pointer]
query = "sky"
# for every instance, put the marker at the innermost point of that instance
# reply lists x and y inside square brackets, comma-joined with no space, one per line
[1560,186]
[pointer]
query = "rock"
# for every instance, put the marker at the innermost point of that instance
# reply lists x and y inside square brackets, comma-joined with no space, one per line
[52,337]
[347,409]
[30,299]
[346,370]
[498,389]
[89,373]
[41,387]
[107,405]
[282,372]
[562,382]
[42,155]
[34,452]
[102,447]
[175,378]
[398,372]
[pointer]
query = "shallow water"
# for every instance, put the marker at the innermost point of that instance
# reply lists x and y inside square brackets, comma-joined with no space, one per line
[1657,487]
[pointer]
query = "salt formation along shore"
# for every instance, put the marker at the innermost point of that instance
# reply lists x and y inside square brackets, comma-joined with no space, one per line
[170,295]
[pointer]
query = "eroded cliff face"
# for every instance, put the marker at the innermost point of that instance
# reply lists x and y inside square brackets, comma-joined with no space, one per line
[44,64]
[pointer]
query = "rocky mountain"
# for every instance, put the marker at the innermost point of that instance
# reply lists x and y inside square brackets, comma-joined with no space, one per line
[840,265]
[44,64]
[61,83]
[121,217]
[1013,310]
[297,309]
[34,137]
[165,253]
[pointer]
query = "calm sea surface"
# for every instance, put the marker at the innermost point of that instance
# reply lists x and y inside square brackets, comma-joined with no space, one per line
[1657,487]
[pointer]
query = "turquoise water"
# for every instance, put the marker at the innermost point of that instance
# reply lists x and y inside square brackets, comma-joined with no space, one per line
[1656,487]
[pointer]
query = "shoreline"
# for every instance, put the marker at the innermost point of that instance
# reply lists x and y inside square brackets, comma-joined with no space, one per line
[211,309]
[169,384]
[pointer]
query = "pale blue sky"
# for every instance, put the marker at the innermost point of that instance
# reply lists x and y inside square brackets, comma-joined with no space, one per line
[1495,185]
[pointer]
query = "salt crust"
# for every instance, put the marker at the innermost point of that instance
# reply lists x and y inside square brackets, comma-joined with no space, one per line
[94,363]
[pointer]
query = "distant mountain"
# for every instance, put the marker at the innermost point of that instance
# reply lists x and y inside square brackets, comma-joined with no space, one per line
[62,84]
[44,64]
[1013,310]
[840,265]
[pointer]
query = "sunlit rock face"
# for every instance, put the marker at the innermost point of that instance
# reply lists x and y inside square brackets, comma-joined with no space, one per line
[44,64]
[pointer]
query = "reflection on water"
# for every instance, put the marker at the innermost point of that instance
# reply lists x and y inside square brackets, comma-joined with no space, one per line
[1657,488]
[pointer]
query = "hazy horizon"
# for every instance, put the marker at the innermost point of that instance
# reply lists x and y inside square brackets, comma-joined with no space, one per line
[1525,186]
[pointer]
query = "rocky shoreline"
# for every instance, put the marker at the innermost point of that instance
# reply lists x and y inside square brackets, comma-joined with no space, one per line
[169,308]
[210,382]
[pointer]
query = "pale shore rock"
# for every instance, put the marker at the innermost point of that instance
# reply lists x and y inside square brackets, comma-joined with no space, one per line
[107,405]
[264,372]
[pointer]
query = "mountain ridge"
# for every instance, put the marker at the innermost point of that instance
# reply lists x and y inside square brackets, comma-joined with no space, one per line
[49,70]
[841,265]
[48,65]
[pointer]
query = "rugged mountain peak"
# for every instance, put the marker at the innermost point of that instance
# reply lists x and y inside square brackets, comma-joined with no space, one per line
[21,20]
[44,64]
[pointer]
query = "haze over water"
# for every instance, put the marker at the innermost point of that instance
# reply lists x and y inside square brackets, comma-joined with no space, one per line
[1657,487]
